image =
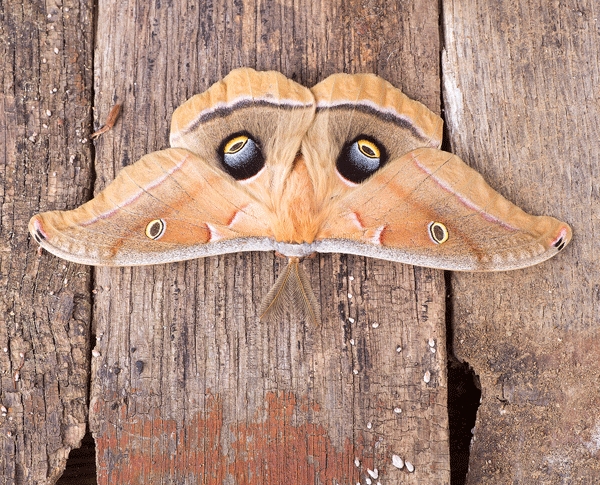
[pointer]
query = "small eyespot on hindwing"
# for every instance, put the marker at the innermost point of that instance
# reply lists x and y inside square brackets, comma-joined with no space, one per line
[438,232]
[156,228]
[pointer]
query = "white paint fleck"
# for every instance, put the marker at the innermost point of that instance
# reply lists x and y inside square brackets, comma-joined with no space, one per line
[368,481]
[349,295]
[351,278]
[351,320]
[398,349]
[56,50]
[48,113]
[355,371]
[397,462]
[45,126]
[374,473]
[369,425]
[21,354]
[44,60]
[5,349]
[17,376]
[375,325]
[432,349]
[3,409]
[95,353]
[352,341]
[427,377]
[356,462]
[397,410]
[431,342]
[409,466]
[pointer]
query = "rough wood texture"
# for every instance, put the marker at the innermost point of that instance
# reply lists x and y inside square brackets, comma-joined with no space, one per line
[45,312]
[521,98]
[188,387]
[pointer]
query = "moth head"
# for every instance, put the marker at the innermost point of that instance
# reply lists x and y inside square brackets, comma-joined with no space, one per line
[360,158]
[241,156]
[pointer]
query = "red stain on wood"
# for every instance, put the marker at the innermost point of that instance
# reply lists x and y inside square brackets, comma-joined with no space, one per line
[272,449]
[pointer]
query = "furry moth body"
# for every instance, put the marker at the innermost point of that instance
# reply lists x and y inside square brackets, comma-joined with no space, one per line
[261,163]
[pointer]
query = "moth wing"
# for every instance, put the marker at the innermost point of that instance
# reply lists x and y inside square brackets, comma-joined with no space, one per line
[417,204]
[349,106]
[183,203]
[168,206]
[429,208]
[273,110]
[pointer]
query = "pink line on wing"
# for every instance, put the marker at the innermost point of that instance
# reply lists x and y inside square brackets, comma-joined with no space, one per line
[466,202]
[131,199]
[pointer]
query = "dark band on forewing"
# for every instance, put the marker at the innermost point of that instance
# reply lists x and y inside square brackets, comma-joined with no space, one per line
[224,110]
[383,114]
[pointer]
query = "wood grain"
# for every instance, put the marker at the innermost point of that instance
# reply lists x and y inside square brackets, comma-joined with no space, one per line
[45,311]
[521,102]
[188,386]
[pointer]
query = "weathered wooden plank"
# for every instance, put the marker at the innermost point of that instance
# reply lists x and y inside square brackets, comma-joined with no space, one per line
[188,386]
[521,101]
[45,312]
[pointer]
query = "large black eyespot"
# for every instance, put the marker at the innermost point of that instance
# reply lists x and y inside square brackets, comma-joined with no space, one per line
[241,156]
[360,159]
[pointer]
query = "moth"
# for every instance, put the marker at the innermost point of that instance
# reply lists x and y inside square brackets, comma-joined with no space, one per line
[259,162]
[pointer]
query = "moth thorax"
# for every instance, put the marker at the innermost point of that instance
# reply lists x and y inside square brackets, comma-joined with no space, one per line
[297,219]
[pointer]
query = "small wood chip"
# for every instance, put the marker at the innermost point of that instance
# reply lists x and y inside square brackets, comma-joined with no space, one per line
[113,116]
